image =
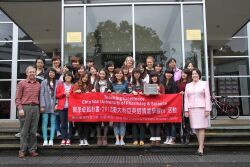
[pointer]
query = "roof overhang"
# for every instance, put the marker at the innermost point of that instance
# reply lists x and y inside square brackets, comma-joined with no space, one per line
[41,20]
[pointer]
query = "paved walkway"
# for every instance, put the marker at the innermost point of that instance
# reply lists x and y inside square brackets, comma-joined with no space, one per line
[214,159]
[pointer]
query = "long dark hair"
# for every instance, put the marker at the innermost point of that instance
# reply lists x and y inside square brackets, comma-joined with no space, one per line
[136,70]
[84,86]
[171,80]
[52,88]
[143,65]
[154,74]
[188,72]
[106,74]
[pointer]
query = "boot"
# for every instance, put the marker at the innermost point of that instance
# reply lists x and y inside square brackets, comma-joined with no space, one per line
[104,140]
[187,139]
[99,140]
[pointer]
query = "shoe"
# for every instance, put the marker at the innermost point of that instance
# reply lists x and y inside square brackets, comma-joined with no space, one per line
[68,142]
[158,143]
[63,142]
[99,140]
[81,143]
[38,135]
[187,140]
[153,143]
[34,153]
[135,142]
[21,154]
[122,143]
[104,141]
[117,143]
[76,134]
[167,140]
[45,143]
[171,141]
[152,138]
[199,153]
[18,135]
[141,143]
[51,143]
[86,142]
[58,134]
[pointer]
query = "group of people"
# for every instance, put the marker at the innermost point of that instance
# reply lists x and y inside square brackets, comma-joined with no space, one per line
[44,94]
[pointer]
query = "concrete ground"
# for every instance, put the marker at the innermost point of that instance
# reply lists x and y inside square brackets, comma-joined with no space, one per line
[210,159]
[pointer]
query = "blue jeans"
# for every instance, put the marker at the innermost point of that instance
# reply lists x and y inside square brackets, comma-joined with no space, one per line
[119,128]
[170,129]
[45,119]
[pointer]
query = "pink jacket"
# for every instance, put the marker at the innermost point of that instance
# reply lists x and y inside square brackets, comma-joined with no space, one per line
[197,95]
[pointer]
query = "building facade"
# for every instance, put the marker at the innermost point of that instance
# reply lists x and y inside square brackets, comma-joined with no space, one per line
[106,30]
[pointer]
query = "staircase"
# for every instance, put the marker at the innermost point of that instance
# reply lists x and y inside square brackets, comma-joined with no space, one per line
[224,134]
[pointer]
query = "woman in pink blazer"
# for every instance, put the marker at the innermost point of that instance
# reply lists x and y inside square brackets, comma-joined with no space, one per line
[198,106]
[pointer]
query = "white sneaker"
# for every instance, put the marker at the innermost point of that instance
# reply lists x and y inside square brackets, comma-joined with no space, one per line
[171,141]
[18,135]
[86,142]
[122,143]
[45,143]
[81,143]
[58,134]
[51,143]
[167,140]
[117,143]
[152,138]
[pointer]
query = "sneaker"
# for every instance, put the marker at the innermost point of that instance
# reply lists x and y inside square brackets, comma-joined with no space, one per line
[141,143]
[135,142]
[45,143]
[58,134]
[21,154]
[51,143]
[33,153]
[117,143]
[158,143]
[68,142]
[38,135]
[63,143]
[167,140]
[76,134]
[171,141]
[122,143]
[86,143]
[81,143]
[18,135]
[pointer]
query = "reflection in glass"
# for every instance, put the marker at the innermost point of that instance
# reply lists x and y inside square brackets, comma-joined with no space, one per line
[109,34]
[242,32]
[5,50]
[22,35]
[235,47]
[73,23]
[27,50]
[6,31]
[5,90]
[159,37]
[3,17]
[231,66]
[194,49]
[234,87]
[22,65]
[5,109]
[5,70]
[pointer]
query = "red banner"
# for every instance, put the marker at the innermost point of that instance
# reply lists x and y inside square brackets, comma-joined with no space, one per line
[107,107]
